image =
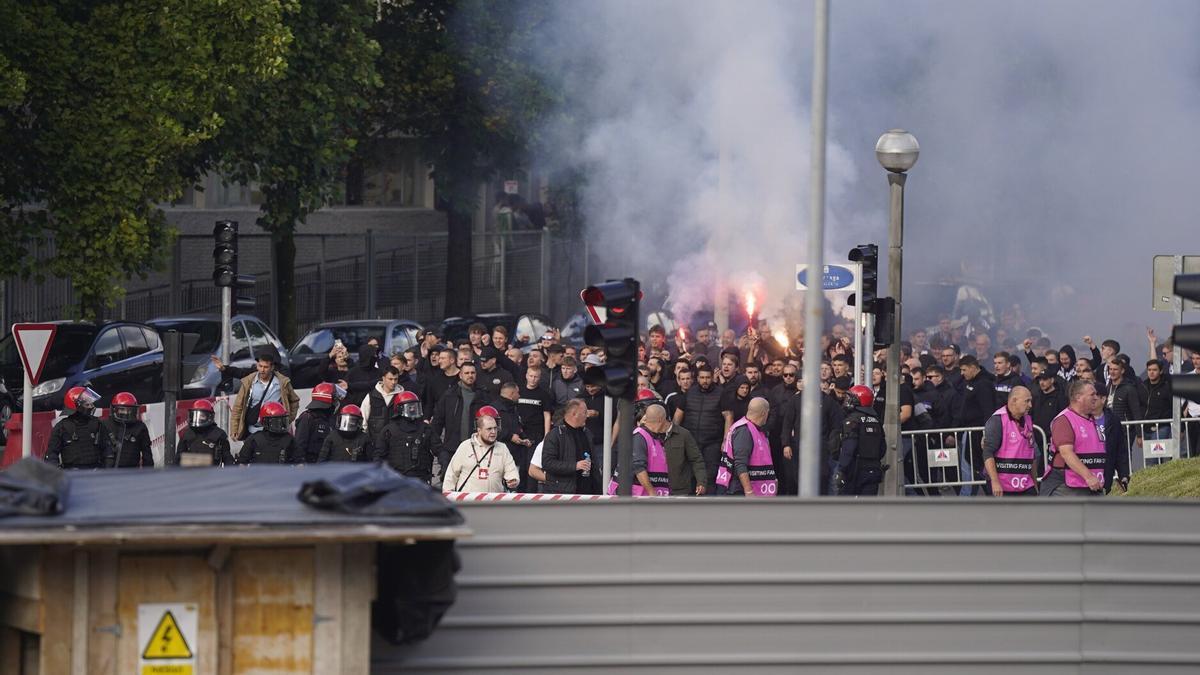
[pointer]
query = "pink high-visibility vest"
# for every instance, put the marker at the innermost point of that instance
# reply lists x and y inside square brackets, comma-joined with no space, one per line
[760,466]
[1088,447]
[656,466]
[1014,458]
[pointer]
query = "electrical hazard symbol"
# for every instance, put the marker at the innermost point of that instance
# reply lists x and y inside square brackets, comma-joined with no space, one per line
[167,635]
[167,641]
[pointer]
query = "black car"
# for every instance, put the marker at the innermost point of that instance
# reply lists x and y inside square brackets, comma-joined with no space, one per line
[310,355]
[524,330]
[248,336]
[108,357]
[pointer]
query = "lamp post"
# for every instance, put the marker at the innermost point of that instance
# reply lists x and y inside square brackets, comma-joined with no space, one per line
[897,152]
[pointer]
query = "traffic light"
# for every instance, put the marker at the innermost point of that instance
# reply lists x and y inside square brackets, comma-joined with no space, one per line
[618,335]
[868,255]
[885,322]
[1187,286]
[244,303]
[225,266]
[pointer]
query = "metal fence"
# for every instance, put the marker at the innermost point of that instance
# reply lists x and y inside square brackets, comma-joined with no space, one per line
[947,461]
[343,276]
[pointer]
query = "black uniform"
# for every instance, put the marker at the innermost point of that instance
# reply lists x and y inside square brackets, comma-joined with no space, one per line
[702,417]
[211,441]
[78,441]
[344,447]
[130,444]
[312,426]
[264,447]
[407,446]
[860,460]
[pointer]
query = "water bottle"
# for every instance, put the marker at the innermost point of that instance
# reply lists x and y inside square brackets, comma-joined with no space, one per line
[587,472]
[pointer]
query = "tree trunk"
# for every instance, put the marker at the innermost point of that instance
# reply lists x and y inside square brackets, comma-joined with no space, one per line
[283,245]
[458,262]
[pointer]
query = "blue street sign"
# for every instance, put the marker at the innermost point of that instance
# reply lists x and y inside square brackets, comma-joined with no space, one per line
[835,277]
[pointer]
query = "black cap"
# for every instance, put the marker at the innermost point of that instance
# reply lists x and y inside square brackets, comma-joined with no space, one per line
[488,352]
[843,383]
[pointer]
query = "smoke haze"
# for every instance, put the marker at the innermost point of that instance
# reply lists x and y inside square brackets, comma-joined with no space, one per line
[1055,138]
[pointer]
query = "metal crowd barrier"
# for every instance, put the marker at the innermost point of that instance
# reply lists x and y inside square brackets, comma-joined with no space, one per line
[1150,442]
[939,461]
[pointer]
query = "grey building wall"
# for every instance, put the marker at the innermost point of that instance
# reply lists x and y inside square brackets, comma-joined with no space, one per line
[828,586]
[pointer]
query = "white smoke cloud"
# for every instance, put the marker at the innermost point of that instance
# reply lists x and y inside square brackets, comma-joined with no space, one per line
[1056,138]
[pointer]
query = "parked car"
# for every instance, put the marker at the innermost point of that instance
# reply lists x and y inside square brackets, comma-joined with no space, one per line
[310,354]
[108,357]
[524,330]
[248,335]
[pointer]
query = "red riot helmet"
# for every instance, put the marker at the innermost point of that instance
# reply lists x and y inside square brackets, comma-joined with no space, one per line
[350,419]
[201,414]
[862,394]
[407,405]
[81,400]
[273,417]
[124,407]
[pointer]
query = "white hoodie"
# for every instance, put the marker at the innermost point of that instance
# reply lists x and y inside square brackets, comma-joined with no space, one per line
[387,398]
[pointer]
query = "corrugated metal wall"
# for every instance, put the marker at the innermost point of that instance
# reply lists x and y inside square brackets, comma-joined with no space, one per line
[787,586]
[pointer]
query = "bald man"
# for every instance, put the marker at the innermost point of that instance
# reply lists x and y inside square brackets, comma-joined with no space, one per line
[1009,450]
[685,464]
[746,464]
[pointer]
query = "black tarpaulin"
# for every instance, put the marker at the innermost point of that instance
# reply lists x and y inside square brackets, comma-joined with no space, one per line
[249,495]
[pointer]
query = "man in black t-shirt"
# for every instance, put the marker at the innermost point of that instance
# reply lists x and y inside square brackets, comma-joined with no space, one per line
[534,405]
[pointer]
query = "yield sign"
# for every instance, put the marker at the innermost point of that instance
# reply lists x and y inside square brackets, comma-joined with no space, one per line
[33,342]
[599,314]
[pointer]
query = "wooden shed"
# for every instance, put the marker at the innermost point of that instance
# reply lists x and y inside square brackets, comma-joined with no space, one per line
[246,580]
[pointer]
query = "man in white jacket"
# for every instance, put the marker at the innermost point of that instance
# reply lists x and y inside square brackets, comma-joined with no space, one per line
[480,464]
[376,404]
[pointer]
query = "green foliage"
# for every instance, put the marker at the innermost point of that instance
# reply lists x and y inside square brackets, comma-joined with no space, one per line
[1176,479]
[105,110]
[295,135]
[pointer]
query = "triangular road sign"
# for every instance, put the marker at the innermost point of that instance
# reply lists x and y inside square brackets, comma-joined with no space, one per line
[167,641]
[599,314]
[33,342]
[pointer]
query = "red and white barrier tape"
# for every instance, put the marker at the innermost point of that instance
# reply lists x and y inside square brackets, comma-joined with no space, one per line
[520,497]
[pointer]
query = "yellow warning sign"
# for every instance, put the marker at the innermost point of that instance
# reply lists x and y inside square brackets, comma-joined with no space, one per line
[167,641]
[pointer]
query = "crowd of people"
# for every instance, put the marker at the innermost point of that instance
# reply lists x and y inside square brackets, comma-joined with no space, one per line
[716,414]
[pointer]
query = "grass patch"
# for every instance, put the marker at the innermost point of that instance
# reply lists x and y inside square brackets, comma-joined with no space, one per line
[1176,479]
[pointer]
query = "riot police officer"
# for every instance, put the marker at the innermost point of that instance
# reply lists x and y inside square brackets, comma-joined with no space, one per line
[127,435]
[272,444]
[347,442]
[858,468]
[313,425]
[79,441]
[203,437]
[406,442]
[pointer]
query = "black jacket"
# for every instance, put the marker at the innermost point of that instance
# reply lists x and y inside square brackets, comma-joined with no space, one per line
[78,442]
[264,447]
[312,426]
[563,448]
[976,402]
[1126,402]
[212,441]
[702,414]
[130,443]
[1158,401]
[408,447]
[1047,406]
[832,415]
[346,448]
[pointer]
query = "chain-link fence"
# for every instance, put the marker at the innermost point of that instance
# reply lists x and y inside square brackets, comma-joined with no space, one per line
[343,276]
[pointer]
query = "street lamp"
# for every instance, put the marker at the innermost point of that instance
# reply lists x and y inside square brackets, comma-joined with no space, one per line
[897,151]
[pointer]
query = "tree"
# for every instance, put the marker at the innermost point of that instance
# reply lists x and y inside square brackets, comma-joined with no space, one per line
[294,136]
[459,76]
[105,109]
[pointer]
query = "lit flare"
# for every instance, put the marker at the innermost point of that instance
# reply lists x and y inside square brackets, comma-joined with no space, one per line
[751,303]
[781,337]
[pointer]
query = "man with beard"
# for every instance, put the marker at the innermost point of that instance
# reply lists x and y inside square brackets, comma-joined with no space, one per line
[700,413]
[949,360]
[659,381]
[491,377]
[454,415]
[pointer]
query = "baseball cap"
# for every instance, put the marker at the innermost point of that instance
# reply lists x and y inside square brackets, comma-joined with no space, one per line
[592,360]
[488,352]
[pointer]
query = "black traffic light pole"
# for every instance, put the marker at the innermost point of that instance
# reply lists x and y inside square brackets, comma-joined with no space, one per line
[619,337]
[1187,287]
